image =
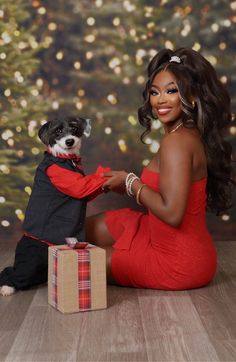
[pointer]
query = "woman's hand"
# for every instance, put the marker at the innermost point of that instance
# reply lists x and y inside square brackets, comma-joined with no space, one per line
[115,181]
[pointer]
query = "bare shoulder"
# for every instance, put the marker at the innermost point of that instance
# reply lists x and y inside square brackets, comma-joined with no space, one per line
[185,147]
[187,139]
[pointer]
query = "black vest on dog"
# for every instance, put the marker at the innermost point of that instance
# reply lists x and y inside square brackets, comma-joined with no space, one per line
[50,214]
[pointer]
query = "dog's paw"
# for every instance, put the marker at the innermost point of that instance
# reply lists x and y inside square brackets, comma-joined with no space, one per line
[5,290]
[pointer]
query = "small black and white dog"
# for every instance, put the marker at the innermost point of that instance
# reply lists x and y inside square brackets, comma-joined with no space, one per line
[57,205]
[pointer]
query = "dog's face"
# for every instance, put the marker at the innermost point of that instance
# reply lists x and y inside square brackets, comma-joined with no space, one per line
[63,136]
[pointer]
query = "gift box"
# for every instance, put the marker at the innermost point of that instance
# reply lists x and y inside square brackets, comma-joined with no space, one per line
[77,278]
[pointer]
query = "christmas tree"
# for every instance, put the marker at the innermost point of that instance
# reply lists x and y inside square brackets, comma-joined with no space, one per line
[22,107]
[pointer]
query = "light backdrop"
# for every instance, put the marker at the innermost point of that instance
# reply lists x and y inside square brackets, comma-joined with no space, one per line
[89,58]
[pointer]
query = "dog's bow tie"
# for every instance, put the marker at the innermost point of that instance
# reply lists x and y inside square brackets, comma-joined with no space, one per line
[75,159]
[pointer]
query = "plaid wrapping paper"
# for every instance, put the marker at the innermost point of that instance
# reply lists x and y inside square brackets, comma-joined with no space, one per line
[84,283]
[83,290]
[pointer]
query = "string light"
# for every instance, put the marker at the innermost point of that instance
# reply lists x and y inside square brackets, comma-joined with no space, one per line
[108,130]
[91,21]
[19,214]
[55,105]
[132,120]
[224,79]
[145,162]
[3,56]
[122,145]
[215,27]
[169,44]
[35,151]
[112,98]
[7,134]
[156,124]
[77,65]
[211,59]
[81,92]
[7,92]
[42,10]
[79,105]
[233,5]
[114,62]
[128,6]
[28,190]
[6,37]
[98,3]
[11,142]
[59,55]
[233,130]
[89,55]
[52,26]
[5,169]
[116,21]
[22,45]
[5,223]
[140,79]
[48,40]
[225,217]
[196,46]
[90,38]
[39,82]
[222,46]
[154,147]
[126,80]
[23,103]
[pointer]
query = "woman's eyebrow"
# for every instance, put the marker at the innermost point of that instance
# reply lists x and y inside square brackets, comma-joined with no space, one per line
[166,85]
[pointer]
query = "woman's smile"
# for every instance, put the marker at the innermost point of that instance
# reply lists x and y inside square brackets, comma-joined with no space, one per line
[162,111]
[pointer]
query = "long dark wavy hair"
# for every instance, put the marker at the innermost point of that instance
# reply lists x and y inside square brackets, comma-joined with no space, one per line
[197,79]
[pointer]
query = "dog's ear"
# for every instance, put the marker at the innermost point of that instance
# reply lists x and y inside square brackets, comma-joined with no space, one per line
[87,126]
[44,134]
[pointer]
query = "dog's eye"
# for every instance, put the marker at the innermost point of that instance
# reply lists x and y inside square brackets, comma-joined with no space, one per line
[58,131]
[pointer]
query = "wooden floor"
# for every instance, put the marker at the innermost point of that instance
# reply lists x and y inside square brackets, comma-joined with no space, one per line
[139,325]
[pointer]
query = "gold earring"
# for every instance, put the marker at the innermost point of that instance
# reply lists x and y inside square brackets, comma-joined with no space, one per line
[193,104]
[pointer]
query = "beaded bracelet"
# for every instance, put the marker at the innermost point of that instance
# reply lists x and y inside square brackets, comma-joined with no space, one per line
[130,178]
[138,194]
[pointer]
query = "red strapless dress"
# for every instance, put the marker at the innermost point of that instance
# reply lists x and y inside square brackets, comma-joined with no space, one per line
[148,253]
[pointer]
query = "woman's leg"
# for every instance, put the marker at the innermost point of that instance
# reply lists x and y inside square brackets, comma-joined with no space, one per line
[98,234]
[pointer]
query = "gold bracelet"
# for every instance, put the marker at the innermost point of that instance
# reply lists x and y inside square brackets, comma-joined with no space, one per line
[138,194]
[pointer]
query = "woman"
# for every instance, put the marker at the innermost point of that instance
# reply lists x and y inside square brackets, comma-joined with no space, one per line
[169,246]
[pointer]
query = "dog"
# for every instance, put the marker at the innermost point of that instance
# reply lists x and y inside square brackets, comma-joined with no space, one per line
[57,205]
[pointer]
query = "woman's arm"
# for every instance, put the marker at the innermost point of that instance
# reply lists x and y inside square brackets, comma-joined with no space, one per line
[169,204]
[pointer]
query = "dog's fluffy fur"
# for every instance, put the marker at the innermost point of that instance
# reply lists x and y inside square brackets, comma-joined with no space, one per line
[62,137]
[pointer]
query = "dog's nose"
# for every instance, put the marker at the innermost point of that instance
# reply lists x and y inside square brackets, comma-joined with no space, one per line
[70,142]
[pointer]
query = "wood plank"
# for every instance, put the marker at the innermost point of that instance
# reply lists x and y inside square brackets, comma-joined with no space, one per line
[117,332]
[216,306]
[227,259]
[48,335]
[45,334]
[226,349]
[12,315]
[173,330]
